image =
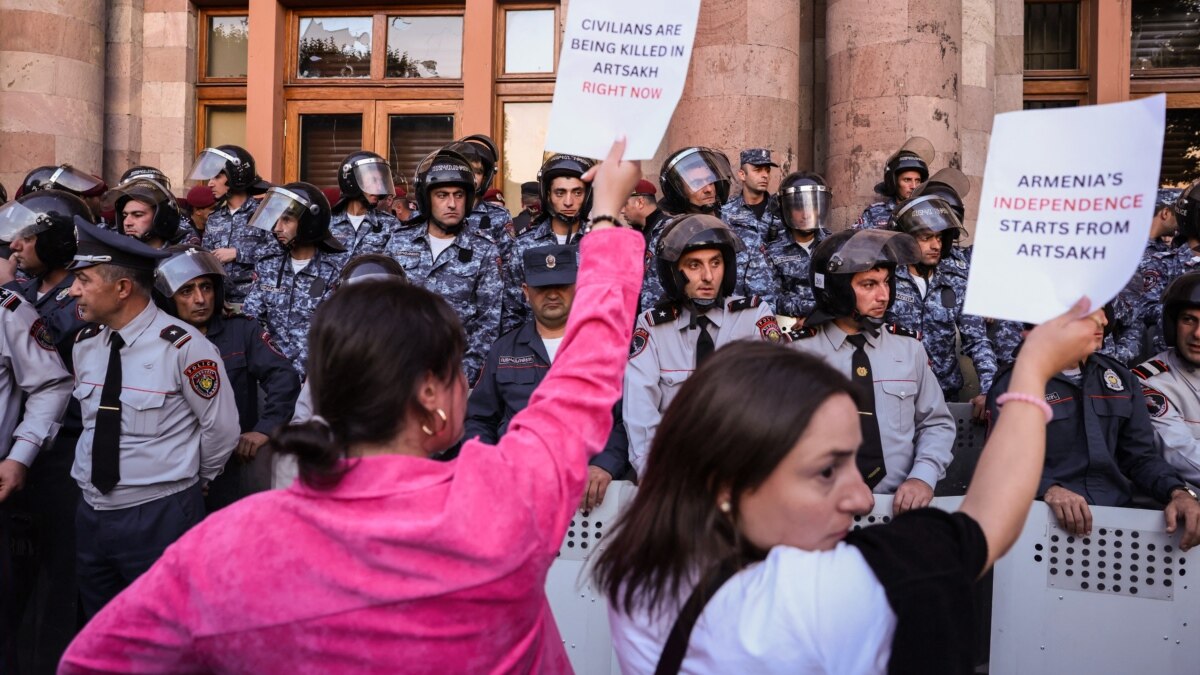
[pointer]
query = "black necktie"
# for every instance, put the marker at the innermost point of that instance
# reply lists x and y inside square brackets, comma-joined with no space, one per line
[870,454]
[106,443]
[704,343]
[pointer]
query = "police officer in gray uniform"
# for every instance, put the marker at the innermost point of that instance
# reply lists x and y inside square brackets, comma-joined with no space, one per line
[520,359]
[904,170]
[750,214]
[908,433]
[695,263]
[231,175]
[443,252]
[365,181]
[803,204]
[300,273]
[158,420]
[567,201]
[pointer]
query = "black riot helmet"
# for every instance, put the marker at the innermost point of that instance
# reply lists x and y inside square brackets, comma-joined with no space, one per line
[565,166]
[928,213]
[304,203]
[148,173]
[234,162]
[478,149]
[693,232]
[444,168]
[803,201]
[914,155]
[185,264]
[364,173]
[951,185]
[691,170]
[63,177]
[50,215]
[1187,211]
[1183,293]
[839,257]
[154,195]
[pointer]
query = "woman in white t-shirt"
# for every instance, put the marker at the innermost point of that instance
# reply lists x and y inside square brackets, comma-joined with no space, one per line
[741,526]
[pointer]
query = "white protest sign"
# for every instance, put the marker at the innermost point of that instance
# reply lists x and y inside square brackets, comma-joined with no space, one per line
[1068,195]
[621,71]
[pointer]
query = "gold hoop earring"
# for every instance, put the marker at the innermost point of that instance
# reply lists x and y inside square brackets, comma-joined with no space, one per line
[445,422]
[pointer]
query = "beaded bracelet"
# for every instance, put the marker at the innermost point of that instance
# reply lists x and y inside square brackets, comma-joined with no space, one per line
[1026,398]
[601,219]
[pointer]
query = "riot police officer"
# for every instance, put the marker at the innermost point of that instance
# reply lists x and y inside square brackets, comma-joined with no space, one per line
[1157,270]
[146,211]
[365,181]
[291,280]
[907,168]
[749,214]
[233,179]
[147,173]
[695,262]
[492,219]
[803,203]
[67,178]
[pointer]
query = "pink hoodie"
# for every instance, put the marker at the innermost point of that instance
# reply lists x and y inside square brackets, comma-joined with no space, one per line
[408,565]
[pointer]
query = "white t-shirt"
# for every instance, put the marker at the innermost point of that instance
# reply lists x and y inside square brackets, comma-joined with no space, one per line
[552,346]
[298,265]
[356,221]
[436,245]
[921,283]
[562,238]
[794,612]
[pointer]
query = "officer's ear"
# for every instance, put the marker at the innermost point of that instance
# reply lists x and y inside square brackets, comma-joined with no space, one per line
[525,291]
[741,174]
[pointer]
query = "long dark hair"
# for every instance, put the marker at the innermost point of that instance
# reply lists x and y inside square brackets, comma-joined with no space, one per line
[732,423]
[370,346]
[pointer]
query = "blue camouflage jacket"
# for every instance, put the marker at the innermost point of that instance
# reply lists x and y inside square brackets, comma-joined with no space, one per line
[285,300]
[792,264]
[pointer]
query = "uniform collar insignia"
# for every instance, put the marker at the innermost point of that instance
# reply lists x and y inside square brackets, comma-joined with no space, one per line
[1113,381]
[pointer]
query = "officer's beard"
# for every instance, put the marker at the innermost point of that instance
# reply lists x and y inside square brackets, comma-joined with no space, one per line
[452,230]
[712,209]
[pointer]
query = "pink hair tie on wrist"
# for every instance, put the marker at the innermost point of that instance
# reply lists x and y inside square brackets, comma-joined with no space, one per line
[1026,398]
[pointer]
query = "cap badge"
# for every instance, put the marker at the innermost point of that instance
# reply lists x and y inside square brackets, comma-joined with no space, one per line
[551,262]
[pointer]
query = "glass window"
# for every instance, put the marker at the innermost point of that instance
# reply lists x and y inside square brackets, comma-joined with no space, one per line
[1166,34]
[225,125]
[1051,35]
[325,140]
[529,41]
[1043,105]
[333,46]
[1181,147]
[425,46]
[525,126]
[412,137]
[227,40]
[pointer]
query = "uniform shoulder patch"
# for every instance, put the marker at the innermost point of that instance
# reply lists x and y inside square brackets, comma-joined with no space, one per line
[41,335]
[897,329]
[768,328]
[663,313]
[270,343]
[1148,369]
[204,378]
[637,345]
[1156,402]
[88,332]
[177,336]
[741,304]
[8,299]
[801,332]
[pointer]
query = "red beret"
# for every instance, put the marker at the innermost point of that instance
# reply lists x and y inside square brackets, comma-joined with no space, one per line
[645,187]
[200,197]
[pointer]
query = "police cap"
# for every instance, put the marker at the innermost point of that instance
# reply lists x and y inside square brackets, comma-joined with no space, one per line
[551,265]
[98,246]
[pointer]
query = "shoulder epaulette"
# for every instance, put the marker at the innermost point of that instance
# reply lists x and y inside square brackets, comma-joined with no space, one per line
[740,304]
[1149,369]
[798,332]
[486,236]
[897,329]
[87,332]
[8,299]
[177,336]
[663,312]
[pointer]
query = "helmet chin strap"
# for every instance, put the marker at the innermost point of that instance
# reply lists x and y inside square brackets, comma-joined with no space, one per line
[700,306]
[454,230]
[867,324]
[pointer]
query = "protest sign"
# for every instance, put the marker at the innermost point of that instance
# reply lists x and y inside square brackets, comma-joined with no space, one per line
[621,71]
[1068,195]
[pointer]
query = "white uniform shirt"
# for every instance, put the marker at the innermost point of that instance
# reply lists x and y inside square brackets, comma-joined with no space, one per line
[1171,386]
[29,365]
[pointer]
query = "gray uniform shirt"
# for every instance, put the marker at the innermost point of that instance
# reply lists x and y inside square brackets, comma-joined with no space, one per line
[179,419]
[29,365]
[1171,387]
[915,425]
[663,356]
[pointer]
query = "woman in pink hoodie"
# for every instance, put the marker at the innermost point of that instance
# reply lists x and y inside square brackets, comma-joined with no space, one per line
[380,559]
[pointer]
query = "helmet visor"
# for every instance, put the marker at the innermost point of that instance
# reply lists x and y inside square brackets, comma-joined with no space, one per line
[374,177]
[73,180]
[867,249]
[17,221]
[177,270]
[278,204]
[804,207]
[691,230]
[697,169]
[141,189]
[928,212]
[210,163]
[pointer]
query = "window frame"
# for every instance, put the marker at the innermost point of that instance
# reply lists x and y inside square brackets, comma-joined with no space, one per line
[1082,45]
[500,40]
[1160,77]
[205,15]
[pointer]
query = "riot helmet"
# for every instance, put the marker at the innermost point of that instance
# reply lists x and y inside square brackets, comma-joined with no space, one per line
[63,177]
[1187,211]
[839,257]
[929,213]
[693,232]
[185,264]
[148,173]
[1183,293]
[50,215]
[951,185]
[915,155]
[690,170]
[304,203]
[565,166]
[478,149]
[803,201]
[165,224]
[234,162]
[444,168]
[364,173]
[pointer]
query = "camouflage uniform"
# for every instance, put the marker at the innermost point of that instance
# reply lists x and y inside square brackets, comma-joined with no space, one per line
[225,230]
[791,263]
[755,277]
[467,274]
[1156,272]
[938,316]
[516,310]
[741,219]
[876,216]
[284,301]
[498,224]
[187,235]
[371,236]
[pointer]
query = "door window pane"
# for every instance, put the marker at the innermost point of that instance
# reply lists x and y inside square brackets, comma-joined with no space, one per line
[1181,147]
[1043,105]
[529,41]
[425,46]
[227,40]
[525,126]
[1166,34]
[335,47]
[1051,35]
[225,125]
[411,138]
[325,140]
